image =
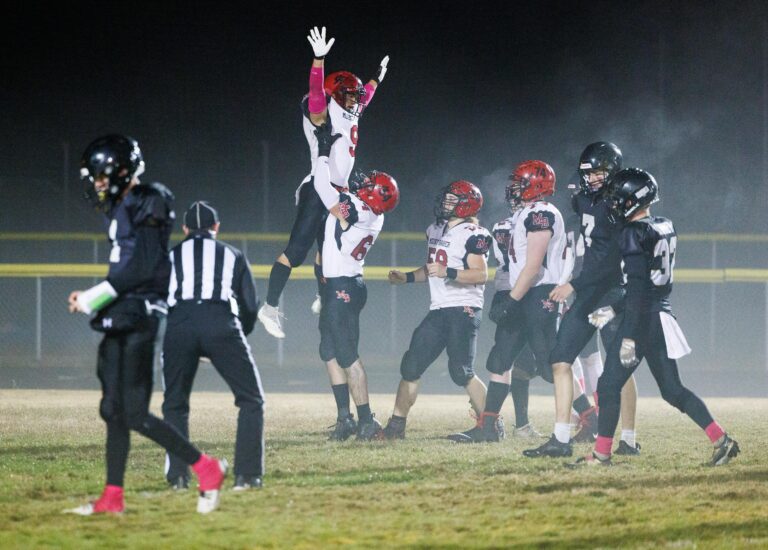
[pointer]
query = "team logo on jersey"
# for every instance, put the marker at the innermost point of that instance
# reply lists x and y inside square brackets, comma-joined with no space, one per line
[342,295]
[469,311]
[549,305]
[344,209]
[540,220]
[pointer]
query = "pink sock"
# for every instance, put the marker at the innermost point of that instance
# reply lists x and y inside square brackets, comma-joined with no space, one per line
[603,445]
[714,431]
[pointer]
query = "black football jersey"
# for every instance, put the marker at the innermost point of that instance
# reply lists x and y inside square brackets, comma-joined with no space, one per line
[600,236]
[648,249]
[139,228]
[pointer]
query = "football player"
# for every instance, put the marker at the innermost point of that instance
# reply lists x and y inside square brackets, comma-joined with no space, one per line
[339,98]
[456,269]
[525,314]
[127,306]
[600,276]
[649,330]
[349,235]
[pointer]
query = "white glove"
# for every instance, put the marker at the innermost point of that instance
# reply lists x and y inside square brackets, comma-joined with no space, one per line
[627,354]
[601,317]
[319,45]
[382,69]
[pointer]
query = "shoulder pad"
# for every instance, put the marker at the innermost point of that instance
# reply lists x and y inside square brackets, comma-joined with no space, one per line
[539,220]
[478,244]
[152,201]
[633,238]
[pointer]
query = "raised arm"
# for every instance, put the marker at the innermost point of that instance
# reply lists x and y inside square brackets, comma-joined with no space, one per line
[318,107]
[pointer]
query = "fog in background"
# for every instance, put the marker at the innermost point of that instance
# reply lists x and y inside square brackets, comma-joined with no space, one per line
[212,92]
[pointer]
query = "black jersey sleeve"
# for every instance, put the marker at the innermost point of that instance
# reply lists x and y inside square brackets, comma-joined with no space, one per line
[542,220]
[478,244]
[638,273]
[247,298]
[153,205]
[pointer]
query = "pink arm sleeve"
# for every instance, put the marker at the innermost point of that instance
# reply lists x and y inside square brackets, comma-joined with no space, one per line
[316,93]
[369,91]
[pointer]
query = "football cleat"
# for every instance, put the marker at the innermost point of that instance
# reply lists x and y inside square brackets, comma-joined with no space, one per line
[395,429]
[209,483]
[343,429]
[370,430]
[270,318]
[625,448]
[724,452]
[587,429]
[489,428]
[527,431]
[243,483]
[110,502]
[317,305]
[552,448]
[590,460]
[181,483]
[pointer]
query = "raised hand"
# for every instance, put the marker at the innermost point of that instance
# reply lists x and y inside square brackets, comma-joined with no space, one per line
[319,45]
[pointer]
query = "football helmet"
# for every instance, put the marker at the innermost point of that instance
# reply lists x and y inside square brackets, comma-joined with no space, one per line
[531,180]
[631,190]
[378,190]
[601,156]
[340,85]
[116,156]
[460,199]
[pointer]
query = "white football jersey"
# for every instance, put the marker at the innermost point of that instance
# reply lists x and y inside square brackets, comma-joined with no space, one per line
[344,251]
[502,232]
[538,216]
[451,247]
[342,158]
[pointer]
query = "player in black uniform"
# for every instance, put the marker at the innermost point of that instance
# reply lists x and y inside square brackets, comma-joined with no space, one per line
[600,274]
[139,219]
[649,330]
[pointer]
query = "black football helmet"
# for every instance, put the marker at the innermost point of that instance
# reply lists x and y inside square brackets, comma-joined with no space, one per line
[631,190]
[116,156]
[599,156]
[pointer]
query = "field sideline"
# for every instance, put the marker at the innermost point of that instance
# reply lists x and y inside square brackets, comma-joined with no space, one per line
[422,492]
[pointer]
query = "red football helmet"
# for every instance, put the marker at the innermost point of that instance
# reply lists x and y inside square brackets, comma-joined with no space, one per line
[467,202]
[531,180]
[378,190]
[340,85]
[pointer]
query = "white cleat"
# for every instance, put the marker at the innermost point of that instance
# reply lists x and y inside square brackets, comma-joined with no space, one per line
[208,500]
[84,510]
[317,305]
[270,318]
[526,432]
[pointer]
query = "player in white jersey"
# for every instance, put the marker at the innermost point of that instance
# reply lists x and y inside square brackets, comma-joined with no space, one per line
[349,235]
[537,257]
[456,270]
[340,98]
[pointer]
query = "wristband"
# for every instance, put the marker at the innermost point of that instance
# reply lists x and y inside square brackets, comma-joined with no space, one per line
[410,277]
[96,297]
[320,58]
[451,273]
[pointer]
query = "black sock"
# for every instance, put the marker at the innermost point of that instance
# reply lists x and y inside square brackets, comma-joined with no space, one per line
[519,390]
[581,404]
[364,413]
[118,443]
[319,278]
[341,394]
[497,393]
[278,277]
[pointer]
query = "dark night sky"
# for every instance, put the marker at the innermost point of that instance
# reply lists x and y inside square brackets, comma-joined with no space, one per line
[473,89]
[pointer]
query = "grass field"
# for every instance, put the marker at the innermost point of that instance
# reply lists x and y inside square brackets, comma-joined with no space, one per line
[422,492]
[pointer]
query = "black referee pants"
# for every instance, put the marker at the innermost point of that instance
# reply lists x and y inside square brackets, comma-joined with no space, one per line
[209,329]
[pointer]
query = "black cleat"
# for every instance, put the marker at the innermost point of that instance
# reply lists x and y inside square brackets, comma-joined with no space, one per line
[343,429]
[181,483]
[625,449]
[589,460]
[489,429]
[370,430]
[587,430]
[395,429]
[244,483]
[551,448]
[724,452]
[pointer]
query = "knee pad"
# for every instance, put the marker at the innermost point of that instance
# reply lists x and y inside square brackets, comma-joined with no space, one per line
[460,373]
[410,370]
[496,363]
[109,409]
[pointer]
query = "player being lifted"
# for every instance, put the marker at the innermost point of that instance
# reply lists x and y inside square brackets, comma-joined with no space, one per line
[537,254]
[649,330]
[600,274]
[340,98]
[348,237]
[456,268]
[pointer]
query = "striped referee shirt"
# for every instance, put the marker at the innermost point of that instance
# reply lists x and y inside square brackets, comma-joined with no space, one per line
[206,270]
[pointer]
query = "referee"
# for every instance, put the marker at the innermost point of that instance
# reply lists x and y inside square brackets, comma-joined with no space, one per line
[213,307]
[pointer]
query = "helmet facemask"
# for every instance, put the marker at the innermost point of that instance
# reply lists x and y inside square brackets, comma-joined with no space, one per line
[445,206]
[514,193]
